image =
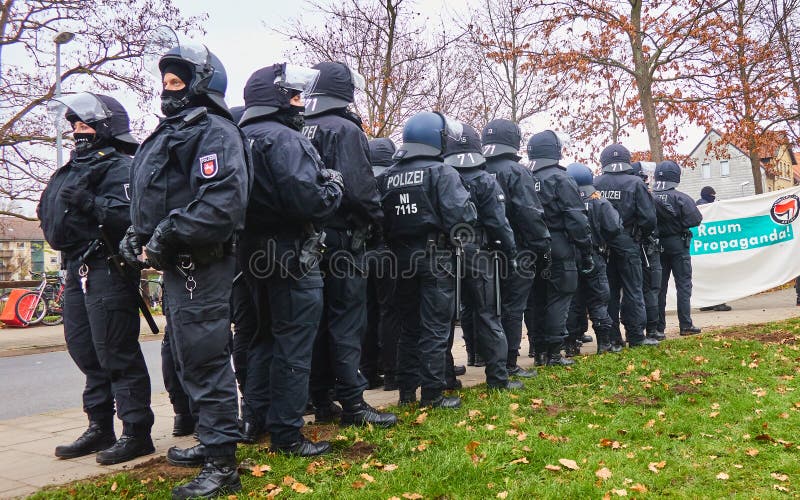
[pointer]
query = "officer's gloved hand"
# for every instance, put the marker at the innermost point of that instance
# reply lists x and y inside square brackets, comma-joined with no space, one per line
[158,246]
[130,249]
[587,263]
[333,176]
[78,197]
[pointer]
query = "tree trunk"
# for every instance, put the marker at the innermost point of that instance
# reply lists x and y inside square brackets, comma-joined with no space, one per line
[644,85]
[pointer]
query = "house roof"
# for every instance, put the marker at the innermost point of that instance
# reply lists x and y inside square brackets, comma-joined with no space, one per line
[16,229]
[713,131]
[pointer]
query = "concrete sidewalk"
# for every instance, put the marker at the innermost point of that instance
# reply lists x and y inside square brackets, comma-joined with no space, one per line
[27,443]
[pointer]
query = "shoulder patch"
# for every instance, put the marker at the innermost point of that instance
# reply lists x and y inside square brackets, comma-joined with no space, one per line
[209,166]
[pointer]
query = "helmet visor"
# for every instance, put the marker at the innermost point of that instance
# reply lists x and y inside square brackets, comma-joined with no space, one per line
[452,128]
[297,78]
[85,106]
[162,41]
[358,80]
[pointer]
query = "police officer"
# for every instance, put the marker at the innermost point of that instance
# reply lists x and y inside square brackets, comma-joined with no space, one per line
[337,135]
[651,269]
[490,233]
[635,206]
[424,201]
[677,214]
[379,347]
[101,321]
[565,216]
[292,194]
[190,183]
[592,294]
[501,142]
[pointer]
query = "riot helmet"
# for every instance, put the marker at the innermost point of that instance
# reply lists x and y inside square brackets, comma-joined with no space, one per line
[381,151]
[615,158]
[464,152]
[501,137]
[101,112]
[544,149]
[335,88]
[270,90]
[667,176]
[425,134]
[583,177]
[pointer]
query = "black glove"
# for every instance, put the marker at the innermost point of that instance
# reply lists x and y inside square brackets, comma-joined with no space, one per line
[157,248]
[130,249]
[333,176]
[78,197]
[587,263]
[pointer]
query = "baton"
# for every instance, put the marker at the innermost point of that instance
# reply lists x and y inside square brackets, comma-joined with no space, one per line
[118,263]
[644,254]
[497,306]
[459,270]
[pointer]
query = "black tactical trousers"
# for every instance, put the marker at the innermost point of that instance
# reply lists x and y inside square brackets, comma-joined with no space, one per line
[379,345]
[424,301]
[480,303]
[626,304]
[651,285]
[101,329]
[675,259]
[245,324]
[169,370]
[200,337]
[337,348]
[288,302]
[592,297]
[548,303]
[515,287]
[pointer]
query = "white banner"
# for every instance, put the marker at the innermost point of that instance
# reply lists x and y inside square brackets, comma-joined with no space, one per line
[744,246]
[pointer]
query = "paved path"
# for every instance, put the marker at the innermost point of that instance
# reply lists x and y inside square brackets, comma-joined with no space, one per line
[27,443]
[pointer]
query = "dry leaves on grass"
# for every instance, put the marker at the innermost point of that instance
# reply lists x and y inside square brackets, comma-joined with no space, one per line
[752,452]
[568,463]
[779,477]
[502,494]
[603,473]
[654,467]
[608,443]
[114,486]
[554,439]
[521,460]
[723,476]
[259,470]
[554,468]
[639,488]
[412,496]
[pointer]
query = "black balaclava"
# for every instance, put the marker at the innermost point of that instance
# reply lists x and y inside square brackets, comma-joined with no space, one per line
[89,141]
[294,116]
[173,101]
[708,194]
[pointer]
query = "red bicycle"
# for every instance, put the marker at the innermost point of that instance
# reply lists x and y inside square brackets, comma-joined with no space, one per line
[44,305]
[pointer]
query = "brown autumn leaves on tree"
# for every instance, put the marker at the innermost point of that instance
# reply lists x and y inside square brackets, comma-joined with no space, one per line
[110,36]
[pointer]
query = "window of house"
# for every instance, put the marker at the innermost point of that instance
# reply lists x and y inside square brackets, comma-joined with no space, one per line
[724,168]
[20,244]
[706,169]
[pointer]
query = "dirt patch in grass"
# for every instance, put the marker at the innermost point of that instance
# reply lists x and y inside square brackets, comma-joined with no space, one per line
[359,450]
[321,432]
[694,374]
[684,389]
[773,337]
[158,467]
[636,400]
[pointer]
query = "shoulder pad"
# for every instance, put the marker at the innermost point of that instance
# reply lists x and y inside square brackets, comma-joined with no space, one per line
[195,116]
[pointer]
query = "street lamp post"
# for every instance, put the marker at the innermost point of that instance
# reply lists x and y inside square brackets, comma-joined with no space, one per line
[60,39]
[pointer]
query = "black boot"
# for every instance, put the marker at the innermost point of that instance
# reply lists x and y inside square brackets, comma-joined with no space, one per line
[363,414]
[251,432]
[554,357]
[510,385]
[603,341]
[97,437]
[407,398]
[439,401]
[586,339]
[126,448]
[459,370]
[303,448]
[572,348]
[183,424]
[541,358]
[218,477]
[654,334]
[187,457]
[689,330]
[452,384]
[327,413]
[479,361]
[514,370]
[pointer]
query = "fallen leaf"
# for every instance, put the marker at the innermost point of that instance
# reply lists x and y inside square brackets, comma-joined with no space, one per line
[357,485]
[569,464]
[390,467]
[656,466]
[650,423]
[474,414]
[522,436]
[114,486]
[779,477]
[502,494]
[521,460]
[412,496]
[608,443]
[655,376]
[760,392]
[620,493]
[779,487]
[472,446]
[259,470]
[490,427]
[513,406]
[366,477]
[288,480]
[752,452]
[603,473]
[722,476]
[783,415]
[421,418]
[301,488]
[639,488]
[554,468]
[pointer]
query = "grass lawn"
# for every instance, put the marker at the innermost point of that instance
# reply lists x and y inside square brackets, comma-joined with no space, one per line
[704,417]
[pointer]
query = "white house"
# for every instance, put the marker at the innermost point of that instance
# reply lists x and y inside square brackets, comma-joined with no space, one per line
[731,176]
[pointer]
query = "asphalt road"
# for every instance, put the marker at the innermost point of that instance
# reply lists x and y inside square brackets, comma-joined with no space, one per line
[40,383]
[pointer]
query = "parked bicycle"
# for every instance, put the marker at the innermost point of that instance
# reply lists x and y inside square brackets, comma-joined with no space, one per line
[45,304]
